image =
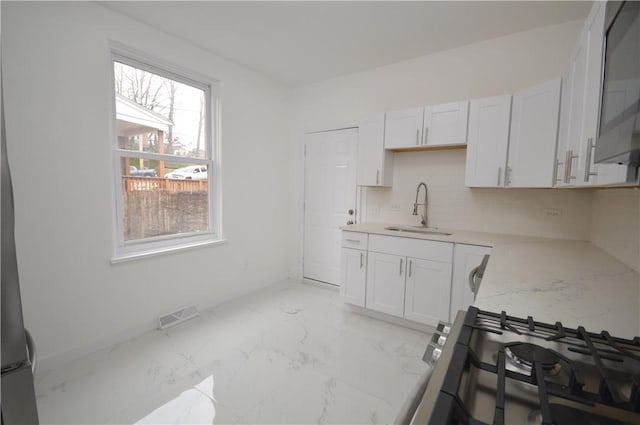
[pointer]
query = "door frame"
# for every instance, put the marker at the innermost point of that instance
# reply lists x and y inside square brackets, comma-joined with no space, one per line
[360,193]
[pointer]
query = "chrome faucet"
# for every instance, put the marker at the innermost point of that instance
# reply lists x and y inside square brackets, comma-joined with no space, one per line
[425,219]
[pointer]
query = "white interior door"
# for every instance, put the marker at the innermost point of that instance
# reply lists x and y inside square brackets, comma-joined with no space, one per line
[329,194]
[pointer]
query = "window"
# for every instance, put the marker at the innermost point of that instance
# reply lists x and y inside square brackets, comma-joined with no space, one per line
[166,160]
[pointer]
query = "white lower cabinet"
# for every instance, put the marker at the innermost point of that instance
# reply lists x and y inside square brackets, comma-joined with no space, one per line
[405,277]
[385,283]
[427,292]
[354,276]
[465,259]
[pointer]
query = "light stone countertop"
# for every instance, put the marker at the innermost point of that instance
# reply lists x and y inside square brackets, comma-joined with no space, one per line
[573,282]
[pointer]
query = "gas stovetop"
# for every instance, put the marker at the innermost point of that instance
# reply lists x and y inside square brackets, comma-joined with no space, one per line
[498,369]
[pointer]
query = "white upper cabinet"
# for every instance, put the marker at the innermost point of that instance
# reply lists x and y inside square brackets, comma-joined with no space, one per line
[403,128]
[580,111]
[563,132]
[445,124]
[375,165]
[488,141]
[533,136]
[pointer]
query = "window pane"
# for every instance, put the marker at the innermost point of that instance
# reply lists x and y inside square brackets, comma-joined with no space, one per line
[158,114]
[156,206]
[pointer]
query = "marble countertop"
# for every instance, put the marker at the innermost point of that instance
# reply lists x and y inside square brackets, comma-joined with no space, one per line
[573,282]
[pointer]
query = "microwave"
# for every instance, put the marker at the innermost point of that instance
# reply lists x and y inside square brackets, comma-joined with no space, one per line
[619,130]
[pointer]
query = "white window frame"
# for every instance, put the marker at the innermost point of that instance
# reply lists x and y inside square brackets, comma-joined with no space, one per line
[129,250]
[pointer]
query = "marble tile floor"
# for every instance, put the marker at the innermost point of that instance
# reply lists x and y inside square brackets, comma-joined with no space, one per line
[287,354]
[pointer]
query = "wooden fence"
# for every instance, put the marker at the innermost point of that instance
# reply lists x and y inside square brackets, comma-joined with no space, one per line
[132,184]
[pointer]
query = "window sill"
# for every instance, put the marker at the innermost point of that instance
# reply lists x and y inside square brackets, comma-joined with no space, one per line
[142,252]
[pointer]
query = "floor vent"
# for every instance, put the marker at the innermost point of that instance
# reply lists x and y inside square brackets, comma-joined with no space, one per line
[176,317]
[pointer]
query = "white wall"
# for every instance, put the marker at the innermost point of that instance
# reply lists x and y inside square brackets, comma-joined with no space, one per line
[488,68]
[56,80]
[615,224]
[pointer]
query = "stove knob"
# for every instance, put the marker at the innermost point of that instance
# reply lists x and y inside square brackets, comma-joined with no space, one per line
[442,339]
[446,329]
[436,355]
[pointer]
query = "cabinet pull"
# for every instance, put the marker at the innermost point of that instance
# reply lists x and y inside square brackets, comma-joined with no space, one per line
[410,267]
[507,175]
[425,135]
[499,175]
[587,165]
[568,166]
[353,241]
[556,168]
[361,258]
[377,176]
[401,266]
[418,137]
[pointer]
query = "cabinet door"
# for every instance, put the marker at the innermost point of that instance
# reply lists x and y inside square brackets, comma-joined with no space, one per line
[465,259]
[487,142]
[533,136]
[578,69]
[354,274]
[385,283]
[586,171]
[428,291]
[374,163]
[403,128]
[446,124]
[563,132]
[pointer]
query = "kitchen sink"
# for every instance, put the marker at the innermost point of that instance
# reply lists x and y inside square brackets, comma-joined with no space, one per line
[418,229]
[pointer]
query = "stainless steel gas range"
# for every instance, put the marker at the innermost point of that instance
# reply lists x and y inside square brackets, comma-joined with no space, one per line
[492,368]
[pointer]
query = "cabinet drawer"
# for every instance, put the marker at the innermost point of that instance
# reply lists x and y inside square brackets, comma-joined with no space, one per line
[355,240]
[416,248]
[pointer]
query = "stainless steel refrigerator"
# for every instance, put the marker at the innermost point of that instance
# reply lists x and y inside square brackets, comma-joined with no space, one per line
[18,400]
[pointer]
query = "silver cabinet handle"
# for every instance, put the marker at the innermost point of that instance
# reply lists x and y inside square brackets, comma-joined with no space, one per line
[417,137]
[361,259]
[353,241]
[556,168]
[499,175]
[507,175]
[587,165]
[568,166]
[377,176]
[410,267]
[425,134]
[401,266]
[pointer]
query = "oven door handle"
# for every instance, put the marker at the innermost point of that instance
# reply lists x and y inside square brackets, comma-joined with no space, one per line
[472,279]
[409,407]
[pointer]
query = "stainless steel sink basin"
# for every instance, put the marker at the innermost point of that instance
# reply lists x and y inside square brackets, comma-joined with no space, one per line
[417,229]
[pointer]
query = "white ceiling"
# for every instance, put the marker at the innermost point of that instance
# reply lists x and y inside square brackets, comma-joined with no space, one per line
[303,42]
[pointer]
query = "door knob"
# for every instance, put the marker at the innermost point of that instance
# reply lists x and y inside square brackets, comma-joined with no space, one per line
[349,222]
[350,211]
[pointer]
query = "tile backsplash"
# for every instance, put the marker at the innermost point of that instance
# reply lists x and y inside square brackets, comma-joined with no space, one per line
[615,224]
[554,213]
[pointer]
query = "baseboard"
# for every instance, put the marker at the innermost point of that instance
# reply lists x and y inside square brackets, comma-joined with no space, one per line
[390,319]
[56,360]
[320,284]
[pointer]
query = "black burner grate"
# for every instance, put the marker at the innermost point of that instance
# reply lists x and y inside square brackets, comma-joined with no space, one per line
[450,409]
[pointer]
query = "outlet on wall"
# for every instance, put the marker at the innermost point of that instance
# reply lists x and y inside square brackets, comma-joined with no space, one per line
[552,212]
